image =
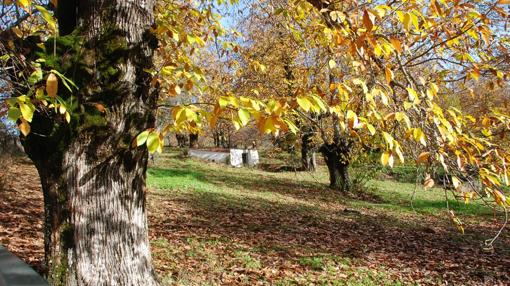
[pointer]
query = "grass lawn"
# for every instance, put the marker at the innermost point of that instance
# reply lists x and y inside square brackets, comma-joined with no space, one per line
[212,224]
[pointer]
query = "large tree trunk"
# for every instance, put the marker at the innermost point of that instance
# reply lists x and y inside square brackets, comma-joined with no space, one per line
[93,180]
[338,167]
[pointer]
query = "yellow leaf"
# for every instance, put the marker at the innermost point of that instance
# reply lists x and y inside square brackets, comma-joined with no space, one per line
[371,129]
[24,127]
[52,85]
[475,74]
[414,20]
[190,114]
[428,183]
[499,197]
[388,138]
[47,17]
[367,21]
[27,110]
[419,136]
[389,116]
[396,44]
[423,157]
[456,182]
[244,116]
[304,103]
[332,64]
[385,158]
[39,93]
[468,196]
[389,75]
[391,159]
[407,21]
[25,4]
[412,94]
[223,101]
[352,119]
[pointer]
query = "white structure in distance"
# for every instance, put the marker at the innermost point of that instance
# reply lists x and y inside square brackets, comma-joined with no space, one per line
[235,157]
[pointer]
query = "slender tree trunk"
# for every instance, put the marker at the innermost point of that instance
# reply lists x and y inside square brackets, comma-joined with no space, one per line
[193,140]
[93,180]
[307,152]
[182,140]
[216,137]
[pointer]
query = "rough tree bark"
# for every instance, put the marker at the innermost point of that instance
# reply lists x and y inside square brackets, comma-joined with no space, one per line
[338,167]
[337,153]
[307,152]
[93,180]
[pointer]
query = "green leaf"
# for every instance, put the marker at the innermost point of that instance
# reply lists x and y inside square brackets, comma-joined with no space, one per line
[142,138]
[13,113]
[153,142]
[5,57]
[35,77]
[39,93]
[244,116]
[65,80]
[12,102]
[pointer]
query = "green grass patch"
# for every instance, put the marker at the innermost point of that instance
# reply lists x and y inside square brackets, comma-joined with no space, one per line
[245,226]
[399,197]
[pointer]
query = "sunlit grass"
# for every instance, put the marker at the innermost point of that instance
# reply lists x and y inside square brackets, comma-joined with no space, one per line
[185,175]
[216,190]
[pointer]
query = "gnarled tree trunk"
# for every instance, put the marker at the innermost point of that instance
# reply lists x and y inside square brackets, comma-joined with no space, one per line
[93,180]
[338,166]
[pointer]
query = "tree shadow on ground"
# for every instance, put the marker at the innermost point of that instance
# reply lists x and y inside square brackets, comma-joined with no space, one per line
[230,178]
[294,229]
